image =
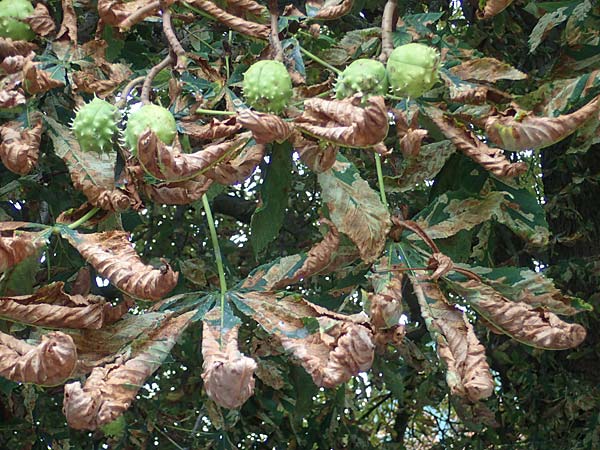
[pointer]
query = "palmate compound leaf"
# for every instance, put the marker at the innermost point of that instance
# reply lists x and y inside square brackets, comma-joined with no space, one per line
[521,130]
[331,347]
[228,375]
[91,172]
[355,208]
[109,390]
[113,256]
[49,363]
[18,246]
[52,307]
[467,371]
[19,146]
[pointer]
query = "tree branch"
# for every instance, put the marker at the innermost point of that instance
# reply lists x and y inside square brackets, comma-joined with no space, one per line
[388,25]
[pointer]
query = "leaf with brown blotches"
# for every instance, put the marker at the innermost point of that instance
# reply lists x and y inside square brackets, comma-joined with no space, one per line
[178,192]
[228,375]
[266,128]
[519,130]
[319,156]
[525,323]
[328,9]
[170,164]
[467,371]
[49,363]
[408,132]
[8,47]
[37,80]
[17,247]
[126,14]
[239,168]
[11,98]
[40,21]
[384,307]
[214,129]
[235,23]
[338,350]
[487,69]
[113,256]
[355,208]
[344,123]
[92,173]
[109,391]
[491,8]
[89,83]
[491,159]
[68,27]
[52,307]
[20,146]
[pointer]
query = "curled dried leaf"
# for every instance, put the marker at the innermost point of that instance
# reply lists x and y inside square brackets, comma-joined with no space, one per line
[491,159]
[344,123]
[8,47]
[126,14]
[213,130]
[408,132]
[68,27]
[11,98]
[179,192]
[109,391]
[266,128]
[36,80]
[330,10]
[487,69]
[319,156]
[385,309]
[114,258]
[517,130]
[440,264]
[235,23]
[50,306]
[238,169]
[228,375]
[492,8]
[49,363]
[17,247]
[20,146]
[249,6]
[89,83]
[40,21]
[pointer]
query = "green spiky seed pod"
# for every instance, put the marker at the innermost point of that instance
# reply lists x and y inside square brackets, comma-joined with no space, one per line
[365,76]
[412,69]
[158,119]
[10,25]
[268,86]
[95,124]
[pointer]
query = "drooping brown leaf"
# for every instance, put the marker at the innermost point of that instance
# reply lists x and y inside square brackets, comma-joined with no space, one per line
[109,391]
[239,168]
[170,164]
[40,21]
[532,326]
[49,363]
[519,130]
[344,123]
[20,146]
[440,264]
[91,173]
[68,27]
[11,98]
[114,258]
[89,83]
[124,14]
[408,132]
[338,351]
[17,247]
[235,23]
[487,69]
[250,6]
[492,8]
[266,128]
[384,306]
[36,80]
[319,156]
[8,47]
[228,375]
[179,192]
[329,9]
[467,373]
[491,159]
[82,284]
[52,307]
[214,129]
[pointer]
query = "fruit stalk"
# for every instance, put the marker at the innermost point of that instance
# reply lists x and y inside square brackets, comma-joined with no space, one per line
[388,26]
[147,86]
[274,37]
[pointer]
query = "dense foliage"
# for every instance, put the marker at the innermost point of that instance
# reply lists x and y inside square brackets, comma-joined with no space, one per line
[351,267]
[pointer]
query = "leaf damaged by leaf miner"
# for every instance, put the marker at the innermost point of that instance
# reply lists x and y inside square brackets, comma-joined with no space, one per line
[319,156]
[409,133]
[40,21]
[519,130]
[178,192]
[49,363]
[355,208]
[212,130]
[20,147]
[265,127]
[344,123]
[114,258]
[109,390]
[384,306]
[126,14]
[235,23]
[239,168]
[36,80]
[228,375]
[17,246]
[328,10]
[487,69]
[467,371]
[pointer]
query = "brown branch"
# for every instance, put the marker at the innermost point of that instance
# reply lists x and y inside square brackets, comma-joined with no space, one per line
[174,43]
[387,28]
[147,86]
[274,37]
[127,90]
[142,12]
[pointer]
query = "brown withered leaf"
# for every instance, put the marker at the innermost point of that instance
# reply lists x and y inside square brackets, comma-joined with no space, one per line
[491,159]
[179,192]
[492,8]
[314,89]
[17,247]
[532,326]
[109,391]
[266,128]
[113,256]
[20,146]
[338,351]
[239,168]
[92,173]
[68,27]
[344,123]
[467,371]
[40,21]
[440,264]
[170,164]
[249,6]
[408,132]
[52,307]
[36,80]
[89,83]
[228,375]
[384,306]
[124,14]
[487,69]
[49,363]
[329,9]
[213,130]
[13,64]
[519,130]
[235,23]
[8,47]
[11,98]
[83,282]
[319,156]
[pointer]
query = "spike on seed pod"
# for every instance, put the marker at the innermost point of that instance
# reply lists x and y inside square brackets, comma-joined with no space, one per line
[95,124]
[412,69]
[11,11]
[268,86]
[158,119]
[363,75]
